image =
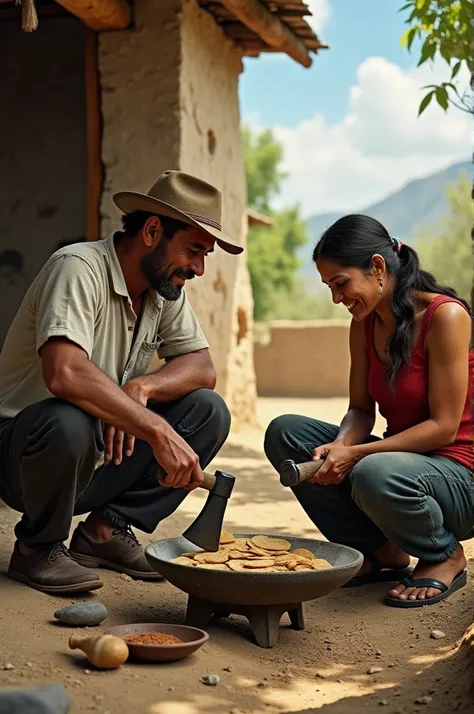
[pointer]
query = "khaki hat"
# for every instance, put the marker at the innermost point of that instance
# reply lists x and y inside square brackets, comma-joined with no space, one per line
[178,195]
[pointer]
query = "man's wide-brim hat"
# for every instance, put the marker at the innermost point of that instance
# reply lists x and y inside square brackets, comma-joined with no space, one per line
[188,199]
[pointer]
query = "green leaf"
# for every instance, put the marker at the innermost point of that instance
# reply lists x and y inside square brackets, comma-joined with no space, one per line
[442,97]
[445,53]
[428,50]
[408,37]
[456,69]
[405,7]
[425,102]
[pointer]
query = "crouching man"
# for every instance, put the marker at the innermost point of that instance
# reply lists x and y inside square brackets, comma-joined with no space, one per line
[83,427]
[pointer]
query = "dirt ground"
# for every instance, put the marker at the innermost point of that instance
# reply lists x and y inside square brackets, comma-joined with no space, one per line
[324,668]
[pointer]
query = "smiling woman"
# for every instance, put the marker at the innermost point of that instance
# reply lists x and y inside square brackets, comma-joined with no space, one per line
[410,493]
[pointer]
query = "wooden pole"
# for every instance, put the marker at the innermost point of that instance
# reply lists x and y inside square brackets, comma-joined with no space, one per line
[267,25]
[95,170]
[101,14]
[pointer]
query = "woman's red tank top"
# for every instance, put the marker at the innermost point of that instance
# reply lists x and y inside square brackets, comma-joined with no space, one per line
[407,405]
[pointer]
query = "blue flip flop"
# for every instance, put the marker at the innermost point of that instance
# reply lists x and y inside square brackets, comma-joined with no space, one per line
[459,582]
[378,574]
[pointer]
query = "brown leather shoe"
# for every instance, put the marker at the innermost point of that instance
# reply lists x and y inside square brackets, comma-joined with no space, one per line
[122,553]
[52,570]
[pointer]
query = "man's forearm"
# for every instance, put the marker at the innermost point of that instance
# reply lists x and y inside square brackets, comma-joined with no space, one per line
[86,386]
[179,376]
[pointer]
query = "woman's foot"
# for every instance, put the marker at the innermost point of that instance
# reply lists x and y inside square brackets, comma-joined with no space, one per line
[444,572]
[389,556]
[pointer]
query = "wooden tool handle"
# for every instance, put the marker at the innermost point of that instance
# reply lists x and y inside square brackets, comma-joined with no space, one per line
[209,481]
[308,469]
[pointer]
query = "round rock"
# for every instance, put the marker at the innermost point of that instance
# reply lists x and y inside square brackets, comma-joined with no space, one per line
[82,615]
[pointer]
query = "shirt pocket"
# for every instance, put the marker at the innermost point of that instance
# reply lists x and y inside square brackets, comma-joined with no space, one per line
[145,355]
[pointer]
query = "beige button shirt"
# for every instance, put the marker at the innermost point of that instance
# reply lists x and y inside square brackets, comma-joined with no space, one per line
[81,294]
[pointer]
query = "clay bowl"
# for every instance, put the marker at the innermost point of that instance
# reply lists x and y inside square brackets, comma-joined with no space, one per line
[192,639]
[252,587]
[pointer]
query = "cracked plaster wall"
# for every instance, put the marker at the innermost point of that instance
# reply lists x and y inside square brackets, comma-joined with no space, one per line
[170,100]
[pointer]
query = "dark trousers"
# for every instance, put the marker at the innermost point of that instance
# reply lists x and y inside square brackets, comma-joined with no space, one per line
[421,502]
[48,454]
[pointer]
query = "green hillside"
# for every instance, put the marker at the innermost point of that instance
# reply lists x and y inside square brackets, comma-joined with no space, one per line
[419,202]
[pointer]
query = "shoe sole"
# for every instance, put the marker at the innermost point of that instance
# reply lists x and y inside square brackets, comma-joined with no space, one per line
[90,561]
[459,582]
[74,588]
[385,575]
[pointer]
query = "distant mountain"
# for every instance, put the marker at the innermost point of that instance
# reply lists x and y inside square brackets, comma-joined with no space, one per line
[418,202]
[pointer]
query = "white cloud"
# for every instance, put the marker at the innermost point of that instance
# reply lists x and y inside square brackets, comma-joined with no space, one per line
[379,145]
[321,14]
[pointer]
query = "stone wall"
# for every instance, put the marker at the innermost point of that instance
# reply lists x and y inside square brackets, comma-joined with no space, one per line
[170,100]
[42,150]
[304,359]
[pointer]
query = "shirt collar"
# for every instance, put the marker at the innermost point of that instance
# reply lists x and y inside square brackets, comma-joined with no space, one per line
[118,280]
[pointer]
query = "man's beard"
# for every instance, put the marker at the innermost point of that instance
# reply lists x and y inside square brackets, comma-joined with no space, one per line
[154,266]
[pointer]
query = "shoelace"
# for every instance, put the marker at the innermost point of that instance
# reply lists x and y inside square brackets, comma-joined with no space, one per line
[127,533]
[57,552]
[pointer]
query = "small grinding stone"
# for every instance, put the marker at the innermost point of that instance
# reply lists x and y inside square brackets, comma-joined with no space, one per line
[82,615]
[212,680]
[48,699]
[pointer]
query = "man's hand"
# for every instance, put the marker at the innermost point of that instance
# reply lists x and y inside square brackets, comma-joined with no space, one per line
[339,460]
[179,462]
[116,442]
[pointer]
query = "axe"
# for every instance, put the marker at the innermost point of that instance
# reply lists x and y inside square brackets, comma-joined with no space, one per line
[205,530]
[291,473]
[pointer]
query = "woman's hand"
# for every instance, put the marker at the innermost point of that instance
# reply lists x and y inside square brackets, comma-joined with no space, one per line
[339,460]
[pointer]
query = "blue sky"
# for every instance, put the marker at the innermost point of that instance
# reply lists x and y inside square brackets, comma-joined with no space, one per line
[349,124]
[355,30]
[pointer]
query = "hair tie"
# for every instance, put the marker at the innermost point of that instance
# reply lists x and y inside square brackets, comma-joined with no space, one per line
[396,243]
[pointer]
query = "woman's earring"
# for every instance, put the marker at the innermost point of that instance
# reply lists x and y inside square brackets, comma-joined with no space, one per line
[380,288]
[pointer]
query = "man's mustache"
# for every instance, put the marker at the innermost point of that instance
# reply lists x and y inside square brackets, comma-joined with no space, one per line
[185,274]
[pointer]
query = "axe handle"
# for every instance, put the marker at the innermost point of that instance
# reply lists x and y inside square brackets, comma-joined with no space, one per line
[308,469]
[209,481]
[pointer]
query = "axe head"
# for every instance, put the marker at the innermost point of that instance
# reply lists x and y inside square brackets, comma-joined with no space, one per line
[289,473]
[205,530]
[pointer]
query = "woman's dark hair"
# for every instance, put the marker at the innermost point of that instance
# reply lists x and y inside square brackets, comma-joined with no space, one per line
[352,241]
[132,223]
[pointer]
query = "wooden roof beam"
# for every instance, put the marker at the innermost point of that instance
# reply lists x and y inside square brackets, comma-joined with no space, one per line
[101,14]
[267,25]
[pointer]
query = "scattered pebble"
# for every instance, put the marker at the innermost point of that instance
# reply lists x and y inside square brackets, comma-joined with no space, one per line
[51,698]
[378,653]
[437,634]
[126,577]
[86,614]
[384,702]
[227,669]
[8,666]
[424,700]
[374,670]
[212,680]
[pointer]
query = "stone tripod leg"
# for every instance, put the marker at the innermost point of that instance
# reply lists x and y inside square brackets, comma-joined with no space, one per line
[264,619]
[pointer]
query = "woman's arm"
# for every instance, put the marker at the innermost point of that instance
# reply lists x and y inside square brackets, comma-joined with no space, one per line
[447,343]
[360,418]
